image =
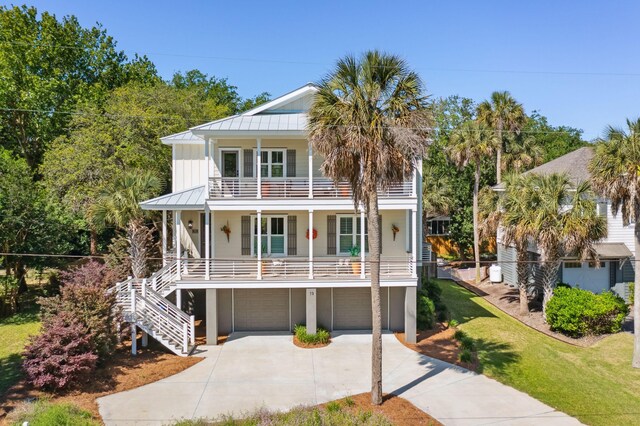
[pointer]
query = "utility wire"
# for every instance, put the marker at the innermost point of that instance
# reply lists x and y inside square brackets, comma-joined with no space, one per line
[297,62]
[169,117]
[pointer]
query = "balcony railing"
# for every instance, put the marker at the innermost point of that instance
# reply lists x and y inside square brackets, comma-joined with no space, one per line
[293,268]
[294,188]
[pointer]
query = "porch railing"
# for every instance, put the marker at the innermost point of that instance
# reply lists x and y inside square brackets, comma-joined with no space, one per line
[283,268]
[293,188]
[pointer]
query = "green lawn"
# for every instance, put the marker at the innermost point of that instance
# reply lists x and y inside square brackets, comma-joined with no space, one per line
[14,332]
[597,384]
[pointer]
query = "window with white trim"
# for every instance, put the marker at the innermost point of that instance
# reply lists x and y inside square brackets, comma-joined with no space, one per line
[274,235]
[438,226]
[349,233]
[272,163]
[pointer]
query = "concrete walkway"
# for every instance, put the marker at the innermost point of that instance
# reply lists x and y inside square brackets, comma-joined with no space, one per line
[252,371]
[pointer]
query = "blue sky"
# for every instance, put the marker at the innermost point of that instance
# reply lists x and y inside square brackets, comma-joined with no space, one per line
[577,62]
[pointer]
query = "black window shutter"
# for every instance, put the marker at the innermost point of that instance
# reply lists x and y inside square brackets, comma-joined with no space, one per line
[246,235]
[292,235]
[248,162]
[291,163]
[331,235]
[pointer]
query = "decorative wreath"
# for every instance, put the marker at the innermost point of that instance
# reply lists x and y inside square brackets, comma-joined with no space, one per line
[315,234]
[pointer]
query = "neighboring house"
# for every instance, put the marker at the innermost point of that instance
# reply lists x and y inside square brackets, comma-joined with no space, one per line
[615,251]
[437,234]
[265,239]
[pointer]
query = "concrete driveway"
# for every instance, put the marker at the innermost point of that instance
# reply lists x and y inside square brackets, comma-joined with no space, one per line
[252,370]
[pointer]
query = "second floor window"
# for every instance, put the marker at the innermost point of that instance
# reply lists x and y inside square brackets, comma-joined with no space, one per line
[273,236]
[438,227]
[272,163]
[349,234]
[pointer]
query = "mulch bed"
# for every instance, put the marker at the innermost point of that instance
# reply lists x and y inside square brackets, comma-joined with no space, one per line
[397,410]
[438,343]
[507,299]
[122,372]
[303,345]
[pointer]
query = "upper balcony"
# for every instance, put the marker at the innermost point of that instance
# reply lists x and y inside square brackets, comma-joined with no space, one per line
[221,188]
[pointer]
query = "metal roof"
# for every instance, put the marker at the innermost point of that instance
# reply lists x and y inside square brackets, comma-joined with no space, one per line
[574,164]
[183,137]
[188,199]
[257,123]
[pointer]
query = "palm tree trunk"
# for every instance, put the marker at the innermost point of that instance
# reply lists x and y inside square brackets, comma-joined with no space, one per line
[635,363]
[499,155]
[523,279]
[137,235]
[549,280]
[476,235]
[376,310]
[93,242]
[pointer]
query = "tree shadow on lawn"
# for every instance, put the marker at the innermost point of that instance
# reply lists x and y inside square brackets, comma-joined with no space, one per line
[25,317]
[10,371]
[496,355]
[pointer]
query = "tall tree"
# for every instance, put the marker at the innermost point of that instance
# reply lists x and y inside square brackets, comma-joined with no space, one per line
[555,141]
[31,222]
[615,174]
[469,145]
[517,212]
[502,113]
[369,120]
[118,205]
[523,153]
[566,222]
[47,65]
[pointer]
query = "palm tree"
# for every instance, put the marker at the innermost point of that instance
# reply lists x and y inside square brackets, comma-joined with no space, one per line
[522,153]
[516,220]
[502,113]
[437,194]
[118,205]
[469,145]
[615,174]
[566,222]
[369,121]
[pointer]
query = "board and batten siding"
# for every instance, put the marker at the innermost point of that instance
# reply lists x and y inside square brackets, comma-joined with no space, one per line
[188,166]
[617,232]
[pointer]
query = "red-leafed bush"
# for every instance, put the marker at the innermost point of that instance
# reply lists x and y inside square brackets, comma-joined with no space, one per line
[61,355]
[84,296]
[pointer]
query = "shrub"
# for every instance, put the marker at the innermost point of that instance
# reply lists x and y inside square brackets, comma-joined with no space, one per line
[467,343]
[465,355]
[426,312]
[576,312]
[44,413]
[565,285]
[349,402]
[632,287]
[321,337]
[453,323]
[333,406]
[459,335]
[432,290]
[84,296]
[61,355]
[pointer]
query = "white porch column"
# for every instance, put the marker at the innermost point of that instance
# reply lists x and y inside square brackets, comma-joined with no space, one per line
[212,236]
[310,245]
[414,244]
[414,184]
[145,339]
[177,231]
[207,242]
[207,168]
[407,231]
[179,298]
[174,233]
[259,243]
[410,320]
[310,171]
[258,167]
[211,304]
[164,237]
[363,266]
[420,227]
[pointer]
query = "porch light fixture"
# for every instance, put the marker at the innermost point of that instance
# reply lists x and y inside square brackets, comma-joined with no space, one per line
[190,224]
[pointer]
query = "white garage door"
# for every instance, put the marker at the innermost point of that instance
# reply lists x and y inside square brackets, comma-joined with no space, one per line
[261,309]
[352,309]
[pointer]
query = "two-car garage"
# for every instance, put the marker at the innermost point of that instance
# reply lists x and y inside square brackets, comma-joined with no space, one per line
[278,309]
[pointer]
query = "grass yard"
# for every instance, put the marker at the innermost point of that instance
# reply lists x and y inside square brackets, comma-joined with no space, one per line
[596,384]
[14,332]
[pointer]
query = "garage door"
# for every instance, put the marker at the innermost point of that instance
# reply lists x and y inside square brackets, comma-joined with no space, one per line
[261,309]
[351,308]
